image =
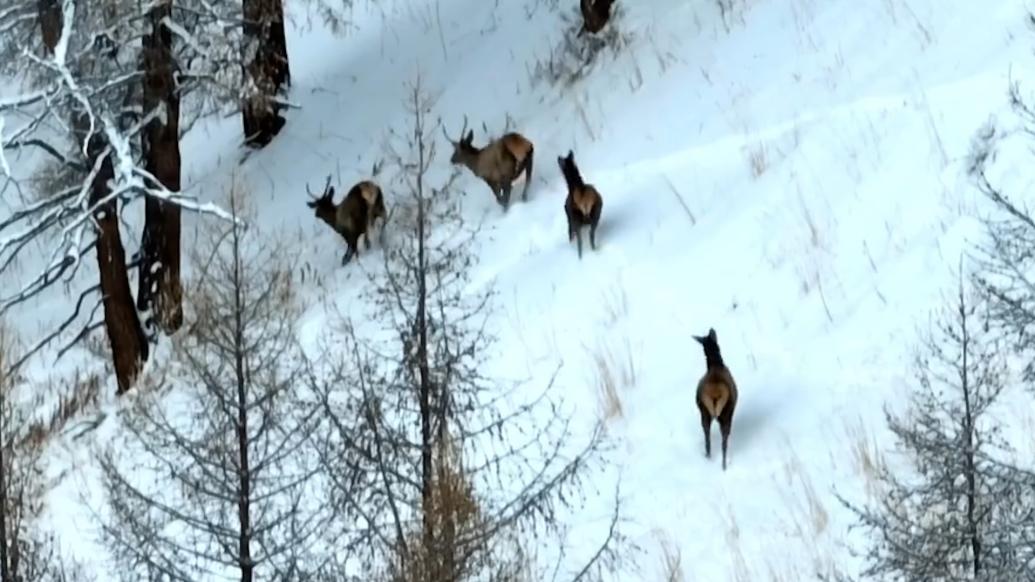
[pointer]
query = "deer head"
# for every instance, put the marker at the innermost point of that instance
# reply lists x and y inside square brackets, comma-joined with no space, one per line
[324,203]
[462,148]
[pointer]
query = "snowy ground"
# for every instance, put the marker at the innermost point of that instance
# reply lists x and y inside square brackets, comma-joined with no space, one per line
[791,175]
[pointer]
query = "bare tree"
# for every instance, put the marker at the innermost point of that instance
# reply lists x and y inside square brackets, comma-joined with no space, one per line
[1006,259]
[955,516]
[212,479]
[1005,279]
[445,468]
[102,106]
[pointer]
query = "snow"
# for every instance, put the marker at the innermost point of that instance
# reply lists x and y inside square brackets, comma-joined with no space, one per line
[795,180]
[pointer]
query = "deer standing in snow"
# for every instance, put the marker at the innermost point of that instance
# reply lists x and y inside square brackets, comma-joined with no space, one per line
[354,216]
[716,394]
[583,204]
[499,163]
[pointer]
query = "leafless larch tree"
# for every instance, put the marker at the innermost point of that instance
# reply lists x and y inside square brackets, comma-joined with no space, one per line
[214,477]
[957,513]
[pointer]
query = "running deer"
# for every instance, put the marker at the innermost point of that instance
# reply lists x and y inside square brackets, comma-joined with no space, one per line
[499,163]
[583,204]
[716,394]
[354,216]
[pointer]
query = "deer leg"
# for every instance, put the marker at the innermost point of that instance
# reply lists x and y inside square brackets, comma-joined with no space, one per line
[725,426]
[528,173]
[594,218]
[506,195]
[578,238]
[706,426]
[353,247]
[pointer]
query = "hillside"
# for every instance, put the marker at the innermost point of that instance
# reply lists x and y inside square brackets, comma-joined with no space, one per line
[790,174]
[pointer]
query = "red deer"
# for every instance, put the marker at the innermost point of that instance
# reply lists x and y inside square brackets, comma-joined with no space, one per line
[595,14]
[499,163]
[583,204]
[354,216]
[716,394]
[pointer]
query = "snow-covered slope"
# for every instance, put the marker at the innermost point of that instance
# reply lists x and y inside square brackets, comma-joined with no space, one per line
[790,174]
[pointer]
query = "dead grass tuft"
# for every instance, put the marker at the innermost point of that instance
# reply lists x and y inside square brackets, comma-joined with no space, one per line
[867,458]
[671,559]
[615,374]
[463,544]
[616,304]
[758,160]
[78,396]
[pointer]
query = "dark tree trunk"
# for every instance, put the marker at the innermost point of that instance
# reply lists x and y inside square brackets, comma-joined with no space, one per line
[129,347]
[266,70]
[50,22]
[968,436]
[244,474]
[160,291]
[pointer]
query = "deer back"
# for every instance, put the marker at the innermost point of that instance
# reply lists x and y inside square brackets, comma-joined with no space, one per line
[496,163]
[717,390]
[585,198]
[518,146]
[351,215]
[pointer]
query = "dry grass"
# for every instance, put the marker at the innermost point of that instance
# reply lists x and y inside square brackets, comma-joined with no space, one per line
[809,513]
[741,572]
[35,429]
[461,529]
[671,563]
[867,459]
[758,160]
[616,304]
[615,373]
[76,397]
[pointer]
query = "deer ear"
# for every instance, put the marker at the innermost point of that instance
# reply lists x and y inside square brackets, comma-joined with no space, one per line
[311,203]
[330,191]
[470,136]
[712,336]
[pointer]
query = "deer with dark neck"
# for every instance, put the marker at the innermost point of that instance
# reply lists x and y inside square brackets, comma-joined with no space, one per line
[716,394]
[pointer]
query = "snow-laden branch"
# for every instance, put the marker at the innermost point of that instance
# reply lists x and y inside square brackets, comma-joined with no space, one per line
[185,36]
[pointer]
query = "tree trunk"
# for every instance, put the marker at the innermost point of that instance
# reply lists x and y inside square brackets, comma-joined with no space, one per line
[266,70]
[50,22]
[160,291]
[421,325]
[244,476]
[129,347]
[968,436]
